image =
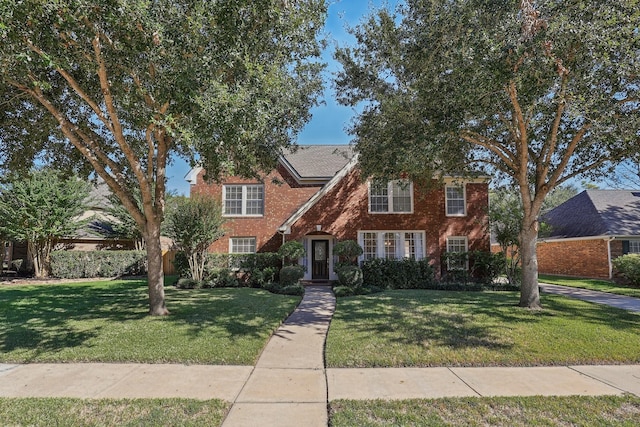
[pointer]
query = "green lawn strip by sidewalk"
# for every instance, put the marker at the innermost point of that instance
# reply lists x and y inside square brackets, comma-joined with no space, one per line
[591,284]
[108,322]
[582,411]
[438,328]
[111,412]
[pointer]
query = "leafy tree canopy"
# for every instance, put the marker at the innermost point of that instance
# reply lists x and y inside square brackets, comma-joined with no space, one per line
[40,209]
[538,92]
[122,87]
[194,224]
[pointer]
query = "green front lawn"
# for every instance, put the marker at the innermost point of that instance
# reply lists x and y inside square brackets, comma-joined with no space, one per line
[592,284]
[437,328]
[111,412]
[108,322]
[503,411]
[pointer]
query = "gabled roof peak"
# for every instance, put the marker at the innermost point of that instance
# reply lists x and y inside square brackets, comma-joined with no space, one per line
[316,163]
[597,213]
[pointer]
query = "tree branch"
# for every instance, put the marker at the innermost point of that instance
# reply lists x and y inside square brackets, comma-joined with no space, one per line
[494,146]
[118,133]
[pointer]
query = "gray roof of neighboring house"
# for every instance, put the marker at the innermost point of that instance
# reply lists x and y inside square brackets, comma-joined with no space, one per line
[597,213]
[99,196]
[318,161]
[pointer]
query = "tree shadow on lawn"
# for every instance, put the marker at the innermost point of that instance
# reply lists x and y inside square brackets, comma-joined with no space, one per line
[460,320]
[50,318]
[240,312]
[38,317]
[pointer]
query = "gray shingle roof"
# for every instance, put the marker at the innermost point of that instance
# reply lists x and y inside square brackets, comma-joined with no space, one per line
[597,213]
[318,161]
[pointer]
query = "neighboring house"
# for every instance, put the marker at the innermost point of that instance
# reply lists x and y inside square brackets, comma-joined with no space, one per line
[316,196]
[588,231]
[90,237]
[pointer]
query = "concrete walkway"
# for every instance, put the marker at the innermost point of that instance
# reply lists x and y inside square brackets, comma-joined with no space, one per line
[289,383]
[613,300]
[289,386]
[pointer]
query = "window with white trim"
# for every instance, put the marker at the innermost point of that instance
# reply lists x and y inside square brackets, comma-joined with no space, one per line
[455,201]
[242,245]
[369,245]
[243,200]
[392,244]
[390,196]
[457,244]
[634,246]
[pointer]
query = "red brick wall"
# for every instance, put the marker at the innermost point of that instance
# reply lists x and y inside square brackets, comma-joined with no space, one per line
[344,211]
[280,202]
[579,258]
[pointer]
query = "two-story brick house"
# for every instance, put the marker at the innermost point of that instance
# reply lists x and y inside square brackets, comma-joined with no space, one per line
[316,195]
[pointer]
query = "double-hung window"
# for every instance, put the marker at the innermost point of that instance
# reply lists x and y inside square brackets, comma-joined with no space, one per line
[634,246]
[242,245]
[457,249]
[455,201]
[243,200]
[392,244]
[390,196]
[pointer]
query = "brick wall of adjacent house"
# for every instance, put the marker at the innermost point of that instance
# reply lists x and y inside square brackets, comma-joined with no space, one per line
[280,202]
[578,258]
[343,212]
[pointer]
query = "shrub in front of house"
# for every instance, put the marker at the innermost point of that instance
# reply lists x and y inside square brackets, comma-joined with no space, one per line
[348,251]
[628,267]
[486,267]
[291,251]
[403,273]
[291,275]
[350,276]
[247,270]
[88,264]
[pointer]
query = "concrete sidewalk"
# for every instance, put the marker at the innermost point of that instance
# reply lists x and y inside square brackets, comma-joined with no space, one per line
[290,383]
[248,385]
[613,300]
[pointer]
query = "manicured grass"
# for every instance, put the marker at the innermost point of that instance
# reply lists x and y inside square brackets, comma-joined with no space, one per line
[108,322]
[509,412]
[437,328]
[111,412]
[592,284]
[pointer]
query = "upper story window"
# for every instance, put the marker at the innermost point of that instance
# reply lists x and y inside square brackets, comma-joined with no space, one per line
[456,203]
[390,196]
[243,200]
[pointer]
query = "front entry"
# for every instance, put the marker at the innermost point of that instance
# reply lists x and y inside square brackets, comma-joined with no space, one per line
[320,260]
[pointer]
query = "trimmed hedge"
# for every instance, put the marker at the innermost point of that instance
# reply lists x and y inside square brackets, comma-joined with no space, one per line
[88,264]
[628,266]
[403,273]
[291,275]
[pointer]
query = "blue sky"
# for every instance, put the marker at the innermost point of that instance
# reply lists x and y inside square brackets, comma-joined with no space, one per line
[330,119]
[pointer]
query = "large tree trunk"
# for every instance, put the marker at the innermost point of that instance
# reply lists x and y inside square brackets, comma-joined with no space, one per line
[155,274]
[529,292]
